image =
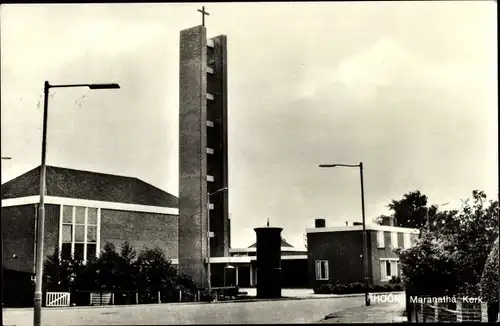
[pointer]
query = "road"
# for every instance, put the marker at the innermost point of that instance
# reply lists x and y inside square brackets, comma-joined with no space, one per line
[256,312]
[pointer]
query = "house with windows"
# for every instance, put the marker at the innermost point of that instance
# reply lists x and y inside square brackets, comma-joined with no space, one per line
[83,211]
[336,253]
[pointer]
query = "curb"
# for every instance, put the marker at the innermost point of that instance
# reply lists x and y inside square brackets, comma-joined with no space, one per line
[327,296]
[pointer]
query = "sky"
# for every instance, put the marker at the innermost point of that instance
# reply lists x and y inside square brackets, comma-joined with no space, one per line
[407,88]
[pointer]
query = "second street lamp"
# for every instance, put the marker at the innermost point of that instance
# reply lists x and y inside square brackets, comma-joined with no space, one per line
[40,221]
[209,235]
[365,243]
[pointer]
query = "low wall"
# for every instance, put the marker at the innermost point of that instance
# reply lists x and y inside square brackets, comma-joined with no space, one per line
[461,310]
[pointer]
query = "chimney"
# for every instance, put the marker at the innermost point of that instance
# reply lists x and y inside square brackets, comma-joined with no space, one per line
[388,220]
[319,223]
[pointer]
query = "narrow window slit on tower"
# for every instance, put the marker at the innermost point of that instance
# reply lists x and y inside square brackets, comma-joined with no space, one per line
[210,70]
[210,150]
[210,206]
[210,178]
[210,123]
[210,97]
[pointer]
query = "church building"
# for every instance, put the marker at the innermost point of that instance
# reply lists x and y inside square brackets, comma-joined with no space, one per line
[83,211]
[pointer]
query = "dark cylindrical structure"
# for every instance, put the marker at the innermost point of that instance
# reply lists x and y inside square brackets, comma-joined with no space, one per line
[268,262]
[319,223]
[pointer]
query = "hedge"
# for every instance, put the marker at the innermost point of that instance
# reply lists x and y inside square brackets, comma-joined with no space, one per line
[489,279]
[356,287]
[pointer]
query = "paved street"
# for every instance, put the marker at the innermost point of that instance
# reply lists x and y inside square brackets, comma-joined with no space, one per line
[257,312]
[376,313]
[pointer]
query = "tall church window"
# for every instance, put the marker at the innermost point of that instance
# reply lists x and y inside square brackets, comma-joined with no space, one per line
[79,236]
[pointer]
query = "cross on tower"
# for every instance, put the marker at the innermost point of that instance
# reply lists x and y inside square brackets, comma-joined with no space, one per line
[203,13]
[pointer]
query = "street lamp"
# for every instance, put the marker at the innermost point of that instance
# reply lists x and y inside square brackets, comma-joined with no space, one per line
[209,234]
[365,248]
[41,207]
[1,258]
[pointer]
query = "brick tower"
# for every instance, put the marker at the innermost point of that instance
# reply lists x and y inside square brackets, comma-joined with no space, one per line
[203,163]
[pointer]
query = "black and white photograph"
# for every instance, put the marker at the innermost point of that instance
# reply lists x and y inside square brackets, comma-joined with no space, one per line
[172,163]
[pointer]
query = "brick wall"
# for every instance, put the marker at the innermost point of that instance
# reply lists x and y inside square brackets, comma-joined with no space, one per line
[377,253]
[18,235]
[192,154]
[140,230]
[449,312]
[343,251]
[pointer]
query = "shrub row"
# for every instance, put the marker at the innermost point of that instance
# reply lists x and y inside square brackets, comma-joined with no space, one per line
[356,287]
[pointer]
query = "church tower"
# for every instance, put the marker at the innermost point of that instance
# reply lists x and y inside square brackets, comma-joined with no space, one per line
[204,226]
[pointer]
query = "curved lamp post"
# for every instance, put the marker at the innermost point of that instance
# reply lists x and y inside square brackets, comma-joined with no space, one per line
[365,249]
[41,207]
[209,235]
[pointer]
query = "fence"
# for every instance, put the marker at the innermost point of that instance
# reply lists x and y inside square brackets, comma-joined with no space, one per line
[57,299]
[448,311]
[121,297]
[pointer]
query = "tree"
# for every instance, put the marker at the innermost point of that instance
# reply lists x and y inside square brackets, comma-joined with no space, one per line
[100,273]
[56,273]
[474,238]
[126,268]
[489,283]
[155,273]
[461,242]
[428,269]
[410,211]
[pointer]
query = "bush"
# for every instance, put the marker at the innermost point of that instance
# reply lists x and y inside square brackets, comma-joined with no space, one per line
[356,287]
[379,288]
[489,283]
[324,289]
[341,287]
[147,273]
[489,278]
[395,280]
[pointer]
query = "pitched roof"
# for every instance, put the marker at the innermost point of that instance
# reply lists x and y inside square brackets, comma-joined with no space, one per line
[70,183]
[283,244]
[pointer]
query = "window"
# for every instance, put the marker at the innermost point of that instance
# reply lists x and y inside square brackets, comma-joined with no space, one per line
[380,239]
[210,150]
[210,206]
[210,123]
[388,269]
[394,240]
[210,178]
[322,270]
[210,70]
[79,232]
[210,97]
[406,241]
